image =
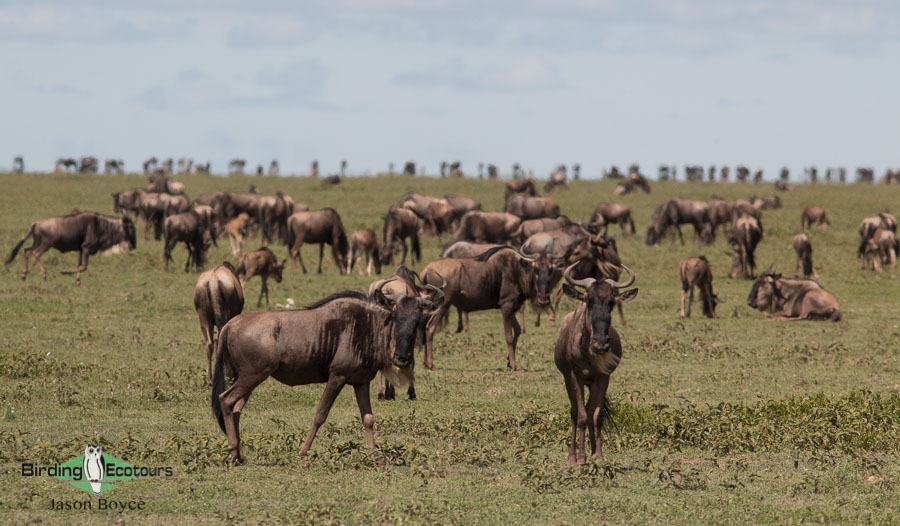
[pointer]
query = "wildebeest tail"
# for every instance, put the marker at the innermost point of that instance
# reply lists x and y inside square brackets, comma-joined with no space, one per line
[631,224]
[861,251]
[218,384]
[807,263]
[608,416]
[416,249]
[289,237]
[685,285]
[21,242]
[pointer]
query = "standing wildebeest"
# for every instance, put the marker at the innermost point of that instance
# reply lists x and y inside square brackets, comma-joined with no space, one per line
[531,207]
[399,224]
[163,183]
[236,229]
[322,227]
[814,215]
[765,203]
[418,203]
[218,297]
[720,212]
[614,213]
[530,227]
[236,166]
[872,223]
[557,179]
[193,228]
[520,186]
[87,232]
[364,242]
[792,299]
[343,339]
[262,263]
[230,204]
[804,256]
[881,250]
[89,164]
[500,278]
[462,204]
[744,236]
[587,352]
[591,256]
[696,272]
[18,165]
[440,217]
[675,212]
[274,210]
[486,227]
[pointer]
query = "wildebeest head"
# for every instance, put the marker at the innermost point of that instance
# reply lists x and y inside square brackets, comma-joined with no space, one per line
[653,234]
[407,314]
[764,293]
[541,276]
[600,298]
[277,269]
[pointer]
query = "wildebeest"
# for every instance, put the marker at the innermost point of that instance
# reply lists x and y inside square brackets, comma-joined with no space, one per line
[629,184]
[237,229]
[869,225]
[218,297]
[273,212]
[486,227]
[400,224]
[86,232]
[530,227]
[262,263]
[557,179]
[520,186]
[18,165]
[881,250]
[814,215]
[152,207]
[614,213]
[343,339]
[230,204]
[531,207]
[587,352]
[462,204]
[744,236]
[236,166]
[765,203]
[720,212]
[500,278]
[192,228]
[364,242]
[440,217]
[162,183]
[113,166]
[418,203]
[322,227]
[792,299]
[695,272]
[89,164]
[804,251]
[675,212]
[590,256]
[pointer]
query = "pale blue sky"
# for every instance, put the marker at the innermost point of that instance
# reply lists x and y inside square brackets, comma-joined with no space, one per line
[541,82]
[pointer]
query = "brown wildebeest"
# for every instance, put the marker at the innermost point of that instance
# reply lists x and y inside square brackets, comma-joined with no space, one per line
[237,229]
[720,212]
[399,224]
[743,237]
[440,217]
[557,179]
[587,352]
[765,203]
[500,278]
[741,208]
[614,213]
[462,204]
[555,243]
[274,210]
[364,242]
[418,203]
[193,229]
[696,272]
[591,256]
[530,227]
[792,299]
[531,207]
[520,186]
[814,215]
[804,251]
[486,227]
[262,263]
[872,223]
[675,212]
[464,249]
[218,297]
[343,339]
[322,227]
[230,204]
[881,250]
[162,183]
[86,232]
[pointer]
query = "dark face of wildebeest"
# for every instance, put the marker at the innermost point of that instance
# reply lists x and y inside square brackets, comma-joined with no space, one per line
[408,315]
[600,297]
[763,293]
[542,280]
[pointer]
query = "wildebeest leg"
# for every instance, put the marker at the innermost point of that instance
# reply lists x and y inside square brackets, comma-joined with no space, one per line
[459,320]
[511,330]
[556,300]
[411,392]
[690,302]
[37,259]
[365,412]
[207,330]
[190,250]
[263,289]
[683,294]
[234,248]
[332,389]
[297,255]
[595,414]
[370,260]
[522,315]
[85,253]
[232,402]
[680,236]
[579,419]
[405,250]
[433,323]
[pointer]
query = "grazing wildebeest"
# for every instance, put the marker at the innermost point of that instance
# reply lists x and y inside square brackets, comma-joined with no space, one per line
[274,210]
[500,278]
[881,250]
[400,224]
[744,236]
[322,227]
[236,229]
[262,263]
[614,213]
[869,225]
[486,227]
[675,212]
[814,215]
[440,217]
[765,203]
[364,242]
[531,207]
[587,352]
[520,186]
[530,227]
[86,232]
[192,228]
[343,339]
[804,251]
[218,297]
[792,299]
[418,203]
[696,272]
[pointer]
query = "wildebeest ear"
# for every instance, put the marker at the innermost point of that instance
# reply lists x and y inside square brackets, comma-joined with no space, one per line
[381,299]
[626,296]
[572,292]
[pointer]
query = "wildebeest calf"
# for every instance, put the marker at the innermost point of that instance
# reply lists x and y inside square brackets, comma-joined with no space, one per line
[262,263]
[237,229]
[881,250]
[218,297]
[804,251]
[364,242]
[814,215]
[696,272]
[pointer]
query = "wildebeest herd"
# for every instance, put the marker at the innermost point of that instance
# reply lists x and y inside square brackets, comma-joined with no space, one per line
[494,260]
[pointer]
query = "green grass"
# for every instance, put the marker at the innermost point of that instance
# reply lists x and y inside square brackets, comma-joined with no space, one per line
[733,420]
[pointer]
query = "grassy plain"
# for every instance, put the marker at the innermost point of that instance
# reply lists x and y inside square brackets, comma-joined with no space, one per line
[733,420]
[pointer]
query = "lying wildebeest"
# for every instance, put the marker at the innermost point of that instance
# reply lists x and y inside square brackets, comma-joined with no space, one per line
[743,237]
[322,227]
[195,230]
[881,250]
[587,352]
[869,225]
[218,297]
[614,213]
[364,242]
[87,232]
[399,224]
[530,227]
[500,278]
[765,203]
[486,227]
[696,272]
[804,251]
[531,207]
[262,263]
[520,186]
[237,229]
[792,299]
[675,212]
[814,215]
[343,339]
[628,185]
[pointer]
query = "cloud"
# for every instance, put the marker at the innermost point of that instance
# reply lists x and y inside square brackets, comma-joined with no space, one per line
[272,31]
[54,24]
[521,75]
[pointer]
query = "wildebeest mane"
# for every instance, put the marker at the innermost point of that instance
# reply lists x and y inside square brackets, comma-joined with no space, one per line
[486,255]
[349,294]
[269,250]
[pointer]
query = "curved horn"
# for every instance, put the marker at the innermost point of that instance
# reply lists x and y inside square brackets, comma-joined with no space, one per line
[529,257]
[438,291]
[622,285]
[585,282]
[383,283]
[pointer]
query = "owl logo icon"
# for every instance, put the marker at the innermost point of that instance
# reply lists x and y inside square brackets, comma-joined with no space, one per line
[93,466]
